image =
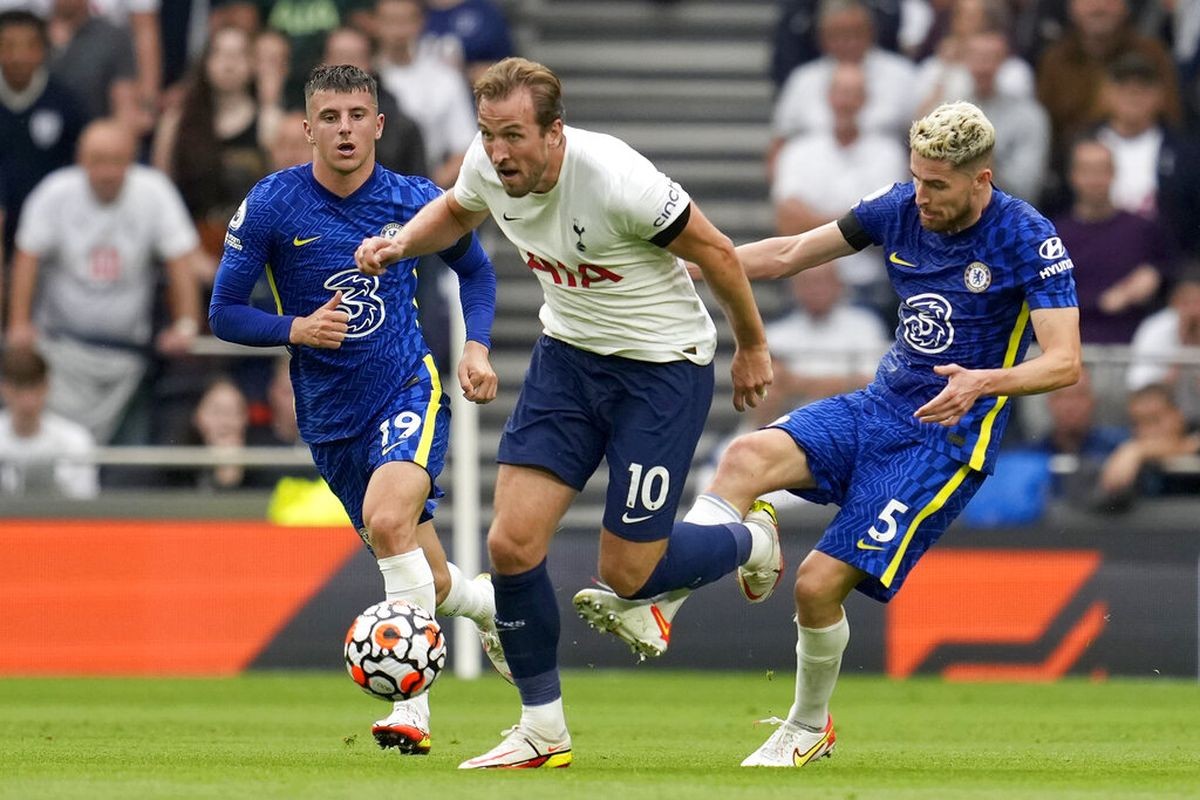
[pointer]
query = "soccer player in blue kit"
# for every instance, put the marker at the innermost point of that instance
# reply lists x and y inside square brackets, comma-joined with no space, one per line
[979,273]
[369,401]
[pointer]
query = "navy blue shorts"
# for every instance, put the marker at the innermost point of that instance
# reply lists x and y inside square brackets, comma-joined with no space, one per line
[897,496]
[414,426]
[644,418]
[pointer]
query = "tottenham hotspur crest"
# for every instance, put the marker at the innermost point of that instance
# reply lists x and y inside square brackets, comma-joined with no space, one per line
[977,277]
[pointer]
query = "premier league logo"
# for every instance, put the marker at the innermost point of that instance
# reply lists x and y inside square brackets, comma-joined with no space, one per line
[359,300]
[925,319]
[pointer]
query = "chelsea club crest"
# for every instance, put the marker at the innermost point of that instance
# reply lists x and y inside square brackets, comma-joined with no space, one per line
[391,230]
[977,277]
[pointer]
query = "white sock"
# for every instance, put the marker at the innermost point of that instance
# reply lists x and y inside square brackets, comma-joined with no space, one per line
[818,661]
[708,509]
[419,704]
[408,577]
[547,720]
[470,598]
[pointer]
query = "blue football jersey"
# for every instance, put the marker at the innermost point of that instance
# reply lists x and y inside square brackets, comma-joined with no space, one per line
[965,299]
[305,236]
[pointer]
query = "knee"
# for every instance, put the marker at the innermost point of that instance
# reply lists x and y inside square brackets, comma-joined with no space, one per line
[510,555]
[817,605]
[624,579]
[390,532]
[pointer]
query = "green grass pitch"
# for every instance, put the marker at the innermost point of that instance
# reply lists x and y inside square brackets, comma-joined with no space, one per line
[637,734]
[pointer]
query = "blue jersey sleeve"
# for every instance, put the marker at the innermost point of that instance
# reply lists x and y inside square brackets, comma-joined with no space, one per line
[1045,267]
[247,252]
[476,287]
[877,212]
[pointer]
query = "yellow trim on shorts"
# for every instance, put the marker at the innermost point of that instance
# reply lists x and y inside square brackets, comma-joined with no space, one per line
[429,426]
[274,291]
[989,419]
[932,507]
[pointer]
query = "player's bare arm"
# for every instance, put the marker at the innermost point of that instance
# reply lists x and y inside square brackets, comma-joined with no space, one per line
[712,251]
[324,328]
[1057,333]
[437,226]
[475,374]
[783,256]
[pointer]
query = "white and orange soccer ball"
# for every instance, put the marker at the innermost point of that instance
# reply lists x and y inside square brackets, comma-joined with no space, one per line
[395,650]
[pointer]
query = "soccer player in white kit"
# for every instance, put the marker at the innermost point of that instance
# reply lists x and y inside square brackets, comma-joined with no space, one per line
[623,372]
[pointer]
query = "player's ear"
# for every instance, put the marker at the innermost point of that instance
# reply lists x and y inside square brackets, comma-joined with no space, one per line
[554,133]
[308,136]
[378,126]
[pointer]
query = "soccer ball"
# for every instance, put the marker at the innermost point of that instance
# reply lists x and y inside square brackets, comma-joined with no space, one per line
[395,650]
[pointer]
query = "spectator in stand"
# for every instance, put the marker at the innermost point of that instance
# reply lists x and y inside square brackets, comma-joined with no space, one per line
[945,76]
[1161,432]
[39,450]
[1166,346]
[432,93]
[272,62]
[94,59]
[290,145]
[1074,431]
[140,19]
[1119,257]
[92,234]
[1157,165]
[1022,152]
[1071,72]
[221,419]
[401,147]
[469,35]
[39,118]
[306,23]
[846,33]
[822,173]
[214,146]
[795,37]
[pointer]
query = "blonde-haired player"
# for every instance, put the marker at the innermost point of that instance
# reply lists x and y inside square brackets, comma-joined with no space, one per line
[979,274]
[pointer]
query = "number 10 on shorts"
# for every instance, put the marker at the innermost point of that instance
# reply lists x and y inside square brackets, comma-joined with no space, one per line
[652,487]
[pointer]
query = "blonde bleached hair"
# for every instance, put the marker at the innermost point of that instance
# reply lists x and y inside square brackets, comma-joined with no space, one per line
[955,132]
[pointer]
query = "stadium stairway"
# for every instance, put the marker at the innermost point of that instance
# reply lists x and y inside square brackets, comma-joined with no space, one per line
[685,84]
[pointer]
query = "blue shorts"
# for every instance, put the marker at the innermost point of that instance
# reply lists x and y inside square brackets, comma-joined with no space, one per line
[897,496]
[644,418]
[414,426]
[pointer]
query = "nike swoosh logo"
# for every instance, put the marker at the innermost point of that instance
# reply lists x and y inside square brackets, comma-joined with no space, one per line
[897,260]
[555,749]
[298,242]
[507,218]
[862,545]
[628,520]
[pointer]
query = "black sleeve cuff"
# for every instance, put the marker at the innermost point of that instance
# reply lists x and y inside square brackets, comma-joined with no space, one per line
[853,231]
[457,250]
[672,231]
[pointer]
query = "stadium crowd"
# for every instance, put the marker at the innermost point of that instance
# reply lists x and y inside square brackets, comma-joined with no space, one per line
[133,129]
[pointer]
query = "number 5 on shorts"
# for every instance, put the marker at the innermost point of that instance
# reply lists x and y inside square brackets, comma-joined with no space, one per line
[888,517]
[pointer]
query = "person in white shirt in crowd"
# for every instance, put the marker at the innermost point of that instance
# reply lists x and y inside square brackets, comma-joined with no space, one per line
[92,235]
[820,174]
[431,92]
[846,34]
[1166,345]
[39,450]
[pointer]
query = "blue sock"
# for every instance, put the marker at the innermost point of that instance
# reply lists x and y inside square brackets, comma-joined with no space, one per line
[527,621]
[696,555]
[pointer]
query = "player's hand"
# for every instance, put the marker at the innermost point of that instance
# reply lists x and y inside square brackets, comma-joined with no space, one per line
[375,254]
[752,374]
[325,328]
[475,374]
[963,388]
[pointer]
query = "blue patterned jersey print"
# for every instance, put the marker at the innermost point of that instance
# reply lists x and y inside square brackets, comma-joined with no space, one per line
[965,299]
[305,236]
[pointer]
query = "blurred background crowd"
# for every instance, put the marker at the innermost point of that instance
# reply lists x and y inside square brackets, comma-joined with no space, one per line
[132,129]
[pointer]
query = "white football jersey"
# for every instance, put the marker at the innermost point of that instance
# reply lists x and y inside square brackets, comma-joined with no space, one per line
[608,289]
